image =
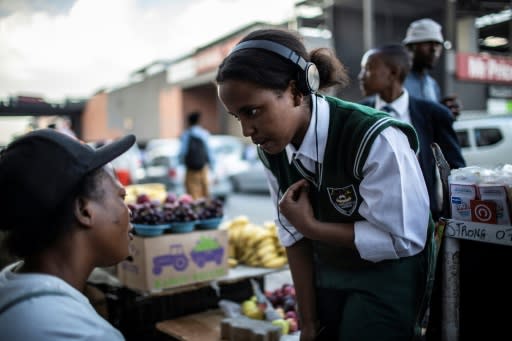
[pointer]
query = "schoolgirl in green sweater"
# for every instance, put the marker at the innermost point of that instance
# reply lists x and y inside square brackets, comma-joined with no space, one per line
[352,205]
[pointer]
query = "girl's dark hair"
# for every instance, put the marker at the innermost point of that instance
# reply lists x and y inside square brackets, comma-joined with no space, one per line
[272,71]
[31,237]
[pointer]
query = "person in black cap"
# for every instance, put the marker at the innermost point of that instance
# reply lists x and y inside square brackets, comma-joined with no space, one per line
[64,213]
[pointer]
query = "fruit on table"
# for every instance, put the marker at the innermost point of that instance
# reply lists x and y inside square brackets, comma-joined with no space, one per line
[291,314]
[181,212]
[147,210]
[255,245]
[170,198]
[294,326]
[142,198]
[288,290]
[155,191]
[250,309]
[208,208]
[284,324]
[277,262]
[232,262]
[280,311]
[274,300]
[185,198]
[289,303]
[284,301]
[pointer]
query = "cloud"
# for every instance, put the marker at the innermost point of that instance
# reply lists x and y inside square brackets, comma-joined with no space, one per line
[27,6]
[73,49]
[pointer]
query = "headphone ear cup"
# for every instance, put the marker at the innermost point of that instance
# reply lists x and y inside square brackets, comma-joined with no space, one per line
[309,79]
[312,77]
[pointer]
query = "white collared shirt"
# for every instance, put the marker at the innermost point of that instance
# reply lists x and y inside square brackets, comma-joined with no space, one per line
[399,105]
[395,198]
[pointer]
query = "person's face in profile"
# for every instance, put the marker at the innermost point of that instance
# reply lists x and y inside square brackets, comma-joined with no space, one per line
[111,220]
[375,76]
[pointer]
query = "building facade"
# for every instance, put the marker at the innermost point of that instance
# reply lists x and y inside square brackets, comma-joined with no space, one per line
[156,103]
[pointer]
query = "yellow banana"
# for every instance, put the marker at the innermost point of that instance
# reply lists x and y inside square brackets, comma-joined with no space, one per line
[257,240]
[264,242]
[277,262]
[240,220]
[232,262]
[231,250]
[266,250]
[269,257]
[253,260]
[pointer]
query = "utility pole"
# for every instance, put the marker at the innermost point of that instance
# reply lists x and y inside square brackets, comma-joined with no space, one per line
[368,26]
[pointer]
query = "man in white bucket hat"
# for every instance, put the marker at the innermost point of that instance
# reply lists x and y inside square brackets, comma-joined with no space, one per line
[424,41]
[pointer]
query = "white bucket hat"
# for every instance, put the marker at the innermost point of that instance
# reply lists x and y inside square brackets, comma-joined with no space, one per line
[423,30]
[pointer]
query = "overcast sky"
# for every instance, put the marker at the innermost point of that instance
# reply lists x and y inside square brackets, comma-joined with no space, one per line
[71,48]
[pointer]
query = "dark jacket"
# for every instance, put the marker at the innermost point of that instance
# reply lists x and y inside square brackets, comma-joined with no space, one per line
[433,123]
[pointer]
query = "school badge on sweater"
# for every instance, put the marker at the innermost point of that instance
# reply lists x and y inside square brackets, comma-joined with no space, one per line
[343,199]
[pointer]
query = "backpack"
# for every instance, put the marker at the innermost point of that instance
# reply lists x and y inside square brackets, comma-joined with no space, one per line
[197,155]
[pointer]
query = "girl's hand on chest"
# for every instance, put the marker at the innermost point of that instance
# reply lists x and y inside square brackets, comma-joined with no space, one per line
[296,207]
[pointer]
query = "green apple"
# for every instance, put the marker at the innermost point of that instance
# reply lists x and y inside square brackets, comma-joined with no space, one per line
[251,310]
[285,325]
[248,305]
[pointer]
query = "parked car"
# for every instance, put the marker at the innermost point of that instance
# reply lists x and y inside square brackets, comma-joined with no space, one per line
[252,180]
[163,166]
[228,152]
[486,140]
[128,166]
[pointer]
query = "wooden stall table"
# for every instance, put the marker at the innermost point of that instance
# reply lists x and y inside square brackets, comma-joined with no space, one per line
[196,327]
[207,326]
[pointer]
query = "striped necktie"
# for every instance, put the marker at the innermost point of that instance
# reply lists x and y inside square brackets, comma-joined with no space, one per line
[389,109]
[306,173]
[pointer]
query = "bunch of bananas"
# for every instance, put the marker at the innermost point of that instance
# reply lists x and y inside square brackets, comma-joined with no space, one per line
[254,245]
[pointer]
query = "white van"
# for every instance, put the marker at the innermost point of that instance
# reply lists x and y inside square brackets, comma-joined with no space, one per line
[486,140]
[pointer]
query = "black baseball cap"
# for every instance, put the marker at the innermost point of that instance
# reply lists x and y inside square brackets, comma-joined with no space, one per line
[46,166]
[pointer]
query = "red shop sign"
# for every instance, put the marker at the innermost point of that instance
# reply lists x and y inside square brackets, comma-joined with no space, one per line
[484,68]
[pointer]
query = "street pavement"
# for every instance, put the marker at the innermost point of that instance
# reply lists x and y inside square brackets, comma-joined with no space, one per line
[257,207]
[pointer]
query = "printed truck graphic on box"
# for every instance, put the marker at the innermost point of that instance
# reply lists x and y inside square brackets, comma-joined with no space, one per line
[176,258]
[207,250]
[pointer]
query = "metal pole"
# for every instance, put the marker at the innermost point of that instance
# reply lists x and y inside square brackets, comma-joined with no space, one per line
[450,295]
[328,9]
[449,58]
[368,27]
[450,285]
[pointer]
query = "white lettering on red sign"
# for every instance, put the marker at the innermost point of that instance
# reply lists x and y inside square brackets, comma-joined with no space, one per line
[499,70]
[476,68]
[484,68]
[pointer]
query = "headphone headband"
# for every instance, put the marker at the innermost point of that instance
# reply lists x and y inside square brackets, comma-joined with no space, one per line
[310,76]
[279,49]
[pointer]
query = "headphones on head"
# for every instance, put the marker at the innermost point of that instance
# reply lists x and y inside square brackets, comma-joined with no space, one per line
[309,78]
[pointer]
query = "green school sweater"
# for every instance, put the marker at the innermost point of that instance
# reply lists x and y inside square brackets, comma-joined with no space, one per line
[352,130]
